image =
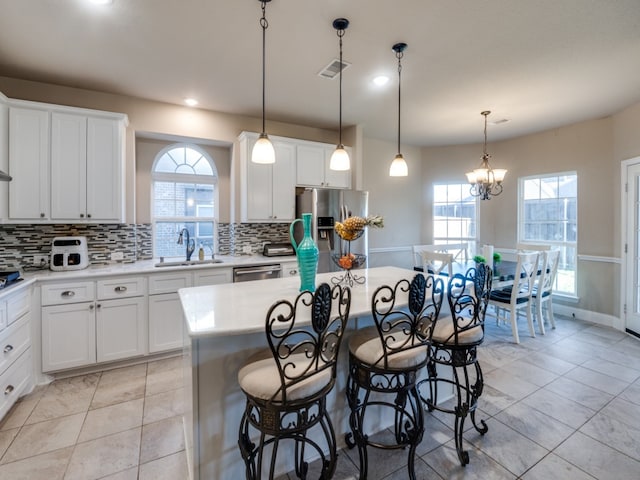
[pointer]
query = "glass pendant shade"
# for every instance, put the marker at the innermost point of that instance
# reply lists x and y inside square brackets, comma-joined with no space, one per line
[398,167]
[263,151]
[340,159]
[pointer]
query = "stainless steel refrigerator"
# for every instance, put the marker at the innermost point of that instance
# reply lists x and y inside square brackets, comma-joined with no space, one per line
[327,207]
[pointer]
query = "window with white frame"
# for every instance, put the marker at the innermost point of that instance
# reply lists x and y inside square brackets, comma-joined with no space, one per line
[184,195]
[455,213]
[548,215]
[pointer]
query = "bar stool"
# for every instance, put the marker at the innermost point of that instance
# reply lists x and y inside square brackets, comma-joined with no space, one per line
[385,359]
[454,344]
[286,385]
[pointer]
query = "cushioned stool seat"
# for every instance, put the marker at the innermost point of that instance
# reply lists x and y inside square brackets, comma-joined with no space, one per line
[365,345]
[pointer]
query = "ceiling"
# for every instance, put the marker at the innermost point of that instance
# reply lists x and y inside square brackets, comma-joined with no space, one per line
[538,63]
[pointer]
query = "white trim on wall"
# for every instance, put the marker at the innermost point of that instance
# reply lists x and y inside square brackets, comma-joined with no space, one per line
[589,316]
[596,258]
[391,249]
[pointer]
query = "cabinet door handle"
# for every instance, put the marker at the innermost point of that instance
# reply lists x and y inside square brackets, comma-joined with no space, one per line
[92,306]
[8,348]
[88,215]
[98,306]
[120,289]
[68,293]
[9,389]
[82,215]
[293,272]
[42,215]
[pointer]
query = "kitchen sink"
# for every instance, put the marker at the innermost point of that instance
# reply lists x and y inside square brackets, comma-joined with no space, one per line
[187,263]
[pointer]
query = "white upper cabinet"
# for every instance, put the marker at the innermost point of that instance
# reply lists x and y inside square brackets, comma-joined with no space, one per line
[312,167]
[29,164]
[75,156]
[267,191]
[68,166]
[86,168]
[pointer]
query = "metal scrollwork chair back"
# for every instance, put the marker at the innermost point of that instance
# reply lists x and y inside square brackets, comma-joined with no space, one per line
[402,328]
[287,383]
[302,352]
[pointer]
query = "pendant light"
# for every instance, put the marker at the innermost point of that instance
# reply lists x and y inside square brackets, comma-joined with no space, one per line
[486,181]
[263,151]
[398,167]
[340,157]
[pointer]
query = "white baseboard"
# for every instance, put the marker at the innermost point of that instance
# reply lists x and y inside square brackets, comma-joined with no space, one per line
[589,316]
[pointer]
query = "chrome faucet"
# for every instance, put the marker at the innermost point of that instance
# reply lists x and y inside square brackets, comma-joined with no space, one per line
[190,244]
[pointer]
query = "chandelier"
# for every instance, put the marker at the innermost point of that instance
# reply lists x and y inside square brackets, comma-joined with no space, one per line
[485,181]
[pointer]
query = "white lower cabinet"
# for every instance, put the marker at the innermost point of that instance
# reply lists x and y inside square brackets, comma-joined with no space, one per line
[68,336]
[79,329]
[165,322]
[165,311]
[16,371]
[121,328]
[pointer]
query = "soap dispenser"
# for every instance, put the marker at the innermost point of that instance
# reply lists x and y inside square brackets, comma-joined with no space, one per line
[201,253]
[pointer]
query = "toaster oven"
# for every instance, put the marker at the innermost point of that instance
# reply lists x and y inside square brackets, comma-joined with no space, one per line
[69,253]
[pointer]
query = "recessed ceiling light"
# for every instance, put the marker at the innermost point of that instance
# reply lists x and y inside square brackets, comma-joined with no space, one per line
[192,102]
[381,80]
[101,2]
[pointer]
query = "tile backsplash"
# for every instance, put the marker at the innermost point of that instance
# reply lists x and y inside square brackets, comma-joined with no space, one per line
[19,243]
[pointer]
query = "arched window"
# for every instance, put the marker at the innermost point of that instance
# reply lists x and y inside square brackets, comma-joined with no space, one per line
[184,195]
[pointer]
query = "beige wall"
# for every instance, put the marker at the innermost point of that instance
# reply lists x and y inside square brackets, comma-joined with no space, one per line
[594,150]
[397,199]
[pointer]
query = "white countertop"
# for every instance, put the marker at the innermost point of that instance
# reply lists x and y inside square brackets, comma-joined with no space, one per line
[148,266]
[240,308]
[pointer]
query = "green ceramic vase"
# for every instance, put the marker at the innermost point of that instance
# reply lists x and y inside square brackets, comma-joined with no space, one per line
[307,253]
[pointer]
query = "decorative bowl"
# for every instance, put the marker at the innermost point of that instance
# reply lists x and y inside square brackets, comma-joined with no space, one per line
[349,261]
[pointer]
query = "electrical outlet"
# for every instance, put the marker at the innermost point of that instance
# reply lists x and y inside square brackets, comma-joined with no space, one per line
[117,255]
[246,249]
[40,260]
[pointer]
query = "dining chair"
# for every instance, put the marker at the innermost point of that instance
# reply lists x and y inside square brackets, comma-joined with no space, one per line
[454,344]
[385,361]
[286,385]
[459,251]
[544,288]
[437,263]
[518,294]
[530,247]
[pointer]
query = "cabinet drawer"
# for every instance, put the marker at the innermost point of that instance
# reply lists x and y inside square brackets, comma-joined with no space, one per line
[14,341]
[120,288]
[214,276]
[168,282]
[60,294]
[14,382]
[18,305]
[289,269]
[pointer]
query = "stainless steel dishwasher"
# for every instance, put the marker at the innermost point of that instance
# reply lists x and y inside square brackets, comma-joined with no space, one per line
[259,272]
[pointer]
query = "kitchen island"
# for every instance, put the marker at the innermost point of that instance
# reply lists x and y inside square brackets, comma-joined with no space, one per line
[225,325]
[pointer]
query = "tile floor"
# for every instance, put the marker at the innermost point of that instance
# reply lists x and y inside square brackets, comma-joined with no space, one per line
[122,424]
[561,406]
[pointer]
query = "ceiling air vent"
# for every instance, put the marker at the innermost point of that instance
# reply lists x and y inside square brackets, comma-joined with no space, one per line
[333,69]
